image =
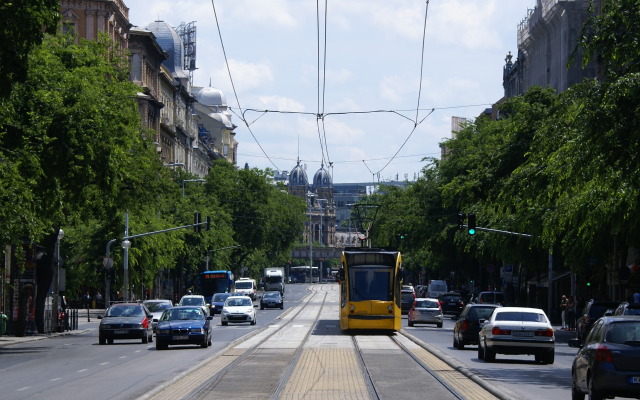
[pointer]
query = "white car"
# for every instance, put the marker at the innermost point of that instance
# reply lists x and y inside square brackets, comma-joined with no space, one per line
[238,309]
[517,330]
[157,307]
[195,300]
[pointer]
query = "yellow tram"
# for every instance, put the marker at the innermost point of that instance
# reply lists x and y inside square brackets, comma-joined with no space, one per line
[370,283]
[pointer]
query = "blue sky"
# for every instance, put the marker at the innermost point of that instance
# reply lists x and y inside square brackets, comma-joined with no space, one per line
[374,50]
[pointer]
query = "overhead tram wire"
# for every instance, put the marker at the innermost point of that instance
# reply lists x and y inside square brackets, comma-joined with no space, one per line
[322,136]
[415,122]
[235,93]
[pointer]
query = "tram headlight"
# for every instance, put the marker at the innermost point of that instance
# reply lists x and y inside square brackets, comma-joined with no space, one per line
[352,309]
[390,309]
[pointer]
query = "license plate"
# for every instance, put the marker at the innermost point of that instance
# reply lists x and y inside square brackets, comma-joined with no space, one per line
[121,332]
[634,380]
[181,337]
[522,334]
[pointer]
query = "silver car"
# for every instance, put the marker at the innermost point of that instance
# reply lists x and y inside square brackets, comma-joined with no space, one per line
[425,311]
[157,306]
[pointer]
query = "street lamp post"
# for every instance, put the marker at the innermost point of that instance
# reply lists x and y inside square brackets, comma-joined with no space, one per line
[56,283]
[125,260]
[190,180]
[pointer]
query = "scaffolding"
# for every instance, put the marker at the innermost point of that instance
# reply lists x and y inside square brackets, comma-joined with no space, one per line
[187,32]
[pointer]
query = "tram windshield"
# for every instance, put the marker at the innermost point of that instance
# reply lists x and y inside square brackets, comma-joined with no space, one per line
[371,282]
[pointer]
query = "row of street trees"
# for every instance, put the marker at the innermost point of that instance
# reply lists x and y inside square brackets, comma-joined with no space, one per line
[564,168]
[73,156]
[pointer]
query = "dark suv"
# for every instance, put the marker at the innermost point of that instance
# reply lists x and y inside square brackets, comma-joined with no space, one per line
[451,303]
[407,297]
[467,327]
[593,310]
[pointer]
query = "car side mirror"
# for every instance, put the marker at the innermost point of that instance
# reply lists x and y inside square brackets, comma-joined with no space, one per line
[209,318]
[155,320]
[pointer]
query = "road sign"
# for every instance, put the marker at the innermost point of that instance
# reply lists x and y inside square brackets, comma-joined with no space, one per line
[107,262]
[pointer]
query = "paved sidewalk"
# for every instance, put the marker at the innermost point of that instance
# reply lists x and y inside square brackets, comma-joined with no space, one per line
[86,322]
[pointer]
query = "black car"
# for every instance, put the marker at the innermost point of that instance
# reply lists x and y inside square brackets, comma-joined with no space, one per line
[125,321]
[271,299]
[467,327]
[407,297]
[451,303]
[608,363]
[593,310]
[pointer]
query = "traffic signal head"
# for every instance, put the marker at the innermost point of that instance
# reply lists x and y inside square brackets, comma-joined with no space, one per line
[461,217]
[472,224]
[196,222]
[208,225]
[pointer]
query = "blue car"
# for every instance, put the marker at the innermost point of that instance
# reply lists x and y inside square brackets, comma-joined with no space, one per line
[183,325]
[217,302]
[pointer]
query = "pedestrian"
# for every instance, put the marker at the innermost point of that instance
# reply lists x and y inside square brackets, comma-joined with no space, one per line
[564,302]
[571,313]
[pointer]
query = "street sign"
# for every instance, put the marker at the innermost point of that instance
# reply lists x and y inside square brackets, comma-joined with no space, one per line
[107,262]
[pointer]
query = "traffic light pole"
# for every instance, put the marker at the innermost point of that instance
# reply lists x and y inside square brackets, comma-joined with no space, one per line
[550,262]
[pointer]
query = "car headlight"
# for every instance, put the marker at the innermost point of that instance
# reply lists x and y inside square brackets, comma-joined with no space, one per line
[197,330]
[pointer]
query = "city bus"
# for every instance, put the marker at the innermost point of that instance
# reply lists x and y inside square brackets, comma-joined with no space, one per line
[370,284]
[212,282]
[304,274]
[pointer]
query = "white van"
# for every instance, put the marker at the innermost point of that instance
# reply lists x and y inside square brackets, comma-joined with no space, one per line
[247,287]
[436,288]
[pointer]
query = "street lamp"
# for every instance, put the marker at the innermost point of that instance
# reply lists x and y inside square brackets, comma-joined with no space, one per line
[125,246]
[190,180]
[56,282]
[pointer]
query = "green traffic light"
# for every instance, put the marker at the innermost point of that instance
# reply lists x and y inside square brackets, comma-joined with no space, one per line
[472,231]
[588,283]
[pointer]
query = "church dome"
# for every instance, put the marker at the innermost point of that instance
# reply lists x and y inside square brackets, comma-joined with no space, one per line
[170,42]
[298,176]
[211,97]
[322,178]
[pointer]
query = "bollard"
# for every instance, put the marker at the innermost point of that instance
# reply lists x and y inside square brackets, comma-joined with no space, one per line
[88,314]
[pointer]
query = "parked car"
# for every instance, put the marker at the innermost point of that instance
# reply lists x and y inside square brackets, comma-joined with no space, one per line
[271,299]
[407,297]
[608,363]
[467,327]
[195,300]
[451,303]
[125,321]
[517,330]
[217,301]
[157,307]
[490,297]
[183,325]
[238,309]
[425,311]
[593,310]
[626,308]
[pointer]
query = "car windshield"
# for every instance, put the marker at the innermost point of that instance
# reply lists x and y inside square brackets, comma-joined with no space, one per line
[450,297]
[520,316]
[125,311]
[244,285]
[220,297]
[237,302]
[426,304]
[154,307]
[191,301]
[623,332]
[273,295]
[182,314]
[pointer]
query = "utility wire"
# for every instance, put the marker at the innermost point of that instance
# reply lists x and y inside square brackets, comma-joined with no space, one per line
[235,93]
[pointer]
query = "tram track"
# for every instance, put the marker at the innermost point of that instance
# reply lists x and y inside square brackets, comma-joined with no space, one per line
[211,376]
